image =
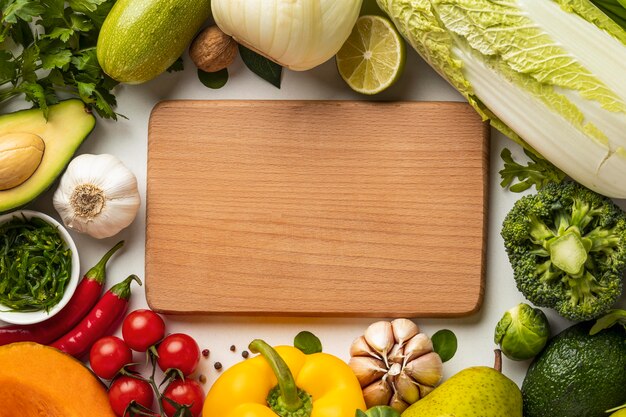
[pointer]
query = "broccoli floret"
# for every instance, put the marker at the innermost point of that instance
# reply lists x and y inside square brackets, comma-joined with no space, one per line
[567,247]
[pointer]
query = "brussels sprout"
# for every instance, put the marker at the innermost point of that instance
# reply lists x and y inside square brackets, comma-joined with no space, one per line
[522,332]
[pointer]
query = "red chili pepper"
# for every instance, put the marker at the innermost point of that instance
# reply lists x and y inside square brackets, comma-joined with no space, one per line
[85,297]
[103,318]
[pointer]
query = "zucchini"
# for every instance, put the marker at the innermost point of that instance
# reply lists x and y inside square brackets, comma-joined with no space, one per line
[140,39]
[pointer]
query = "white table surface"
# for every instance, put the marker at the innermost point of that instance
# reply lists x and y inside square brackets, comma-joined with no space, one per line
[127,139]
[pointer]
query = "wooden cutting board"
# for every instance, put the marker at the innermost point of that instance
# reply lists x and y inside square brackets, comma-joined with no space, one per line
[303,208]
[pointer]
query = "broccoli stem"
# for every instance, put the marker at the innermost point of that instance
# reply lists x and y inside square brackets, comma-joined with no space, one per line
[583,291]
[568,253]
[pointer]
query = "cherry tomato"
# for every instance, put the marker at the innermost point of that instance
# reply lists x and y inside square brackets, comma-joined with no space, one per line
[187,392]
[108,355]
[142,329]
[126,389]
[178,351]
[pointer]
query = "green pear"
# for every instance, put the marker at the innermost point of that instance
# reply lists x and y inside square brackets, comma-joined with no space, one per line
[474,392]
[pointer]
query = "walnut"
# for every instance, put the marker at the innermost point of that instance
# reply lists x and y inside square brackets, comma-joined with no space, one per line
[213,50]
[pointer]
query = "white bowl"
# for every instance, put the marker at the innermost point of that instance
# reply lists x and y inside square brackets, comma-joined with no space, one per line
[16,317]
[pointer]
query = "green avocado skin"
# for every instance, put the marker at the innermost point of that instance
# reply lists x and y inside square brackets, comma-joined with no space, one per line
[68,125]
[577,375]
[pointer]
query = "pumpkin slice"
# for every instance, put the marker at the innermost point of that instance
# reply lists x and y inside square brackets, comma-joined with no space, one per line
[38,380]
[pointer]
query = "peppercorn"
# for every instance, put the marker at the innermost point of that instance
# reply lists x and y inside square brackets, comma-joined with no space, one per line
[245,354]
[217,365]
[232,348]
[205,353]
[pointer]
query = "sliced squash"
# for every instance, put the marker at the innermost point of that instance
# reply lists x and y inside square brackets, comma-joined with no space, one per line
[37,380]
[68,124]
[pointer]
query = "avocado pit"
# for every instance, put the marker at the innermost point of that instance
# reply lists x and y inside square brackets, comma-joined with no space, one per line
[20,156]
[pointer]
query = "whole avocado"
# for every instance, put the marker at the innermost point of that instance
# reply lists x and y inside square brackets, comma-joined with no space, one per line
[577,375]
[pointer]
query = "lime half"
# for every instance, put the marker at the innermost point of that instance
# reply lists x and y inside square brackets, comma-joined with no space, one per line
[373,57]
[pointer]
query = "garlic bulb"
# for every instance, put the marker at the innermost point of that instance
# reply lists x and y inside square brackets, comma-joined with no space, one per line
[395,364]
[97,195]
[297,34]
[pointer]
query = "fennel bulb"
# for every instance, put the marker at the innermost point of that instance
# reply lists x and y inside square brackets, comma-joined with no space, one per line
[297,34]
[548,73]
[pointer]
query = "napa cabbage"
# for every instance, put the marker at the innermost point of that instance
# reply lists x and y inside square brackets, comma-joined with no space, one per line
[550,74]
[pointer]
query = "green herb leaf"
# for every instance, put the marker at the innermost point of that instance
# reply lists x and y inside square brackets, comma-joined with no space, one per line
[53,9]
[178,65]
[612,318]
[60,38]
[539,172]
[8,67]
[36,94]
[56,59]
[307,342]
[22,33]
[261,66]
[378,411]
[81,24]
[30,57]
[85,5]
[445,344]
[213,80]
[25,10]
[105,101]
[64,34]
[87,63]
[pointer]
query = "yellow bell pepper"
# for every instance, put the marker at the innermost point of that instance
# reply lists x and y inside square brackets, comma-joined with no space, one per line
[287,383]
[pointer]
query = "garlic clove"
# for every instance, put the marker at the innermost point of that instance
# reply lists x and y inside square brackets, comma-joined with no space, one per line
[379,336]
[407,388]
[403,330]
[425,390]
[367,370]
[417,346]
[426,369]
[360,348]
[397,404]
[378,393]
[396,354]
[395,369]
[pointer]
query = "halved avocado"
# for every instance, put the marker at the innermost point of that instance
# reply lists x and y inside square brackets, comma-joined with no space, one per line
[68,124]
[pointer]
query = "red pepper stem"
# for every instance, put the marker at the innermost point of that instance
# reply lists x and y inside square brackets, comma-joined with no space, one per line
[122,289]
[288,389]
[98,272]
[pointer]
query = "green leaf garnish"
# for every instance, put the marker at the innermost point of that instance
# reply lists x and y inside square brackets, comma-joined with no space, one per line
[308,343]
[445,344]
[610,319]
[378,411]
[178,65]
[213,80]
[261,66]
[56,53]
[538,172]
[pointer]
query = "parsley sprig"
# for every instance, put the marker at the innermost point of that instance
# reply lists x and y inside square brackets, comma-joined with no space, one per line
[48,49]
[538,172]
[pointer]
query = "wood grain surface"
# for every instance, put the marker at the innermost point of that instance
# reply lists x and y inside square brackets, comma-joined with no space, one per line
[302,208]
